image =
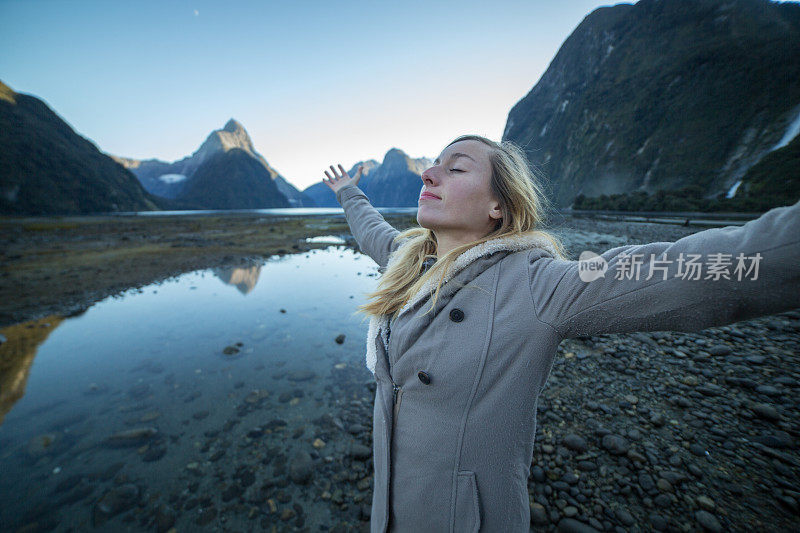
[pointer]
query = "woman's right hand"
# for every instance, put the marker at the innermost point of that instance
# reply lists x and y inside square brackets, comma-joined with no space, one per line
[338,181]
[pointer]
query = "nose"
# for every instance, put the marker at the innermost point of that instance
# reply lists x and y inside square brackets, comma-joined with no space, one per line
[427,176]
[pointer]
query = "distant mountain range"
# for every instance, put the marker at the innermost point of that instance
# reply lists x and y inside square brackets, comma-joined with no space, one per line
[395,182]
[47,168]
[226,172]
[696,96]
[668,94]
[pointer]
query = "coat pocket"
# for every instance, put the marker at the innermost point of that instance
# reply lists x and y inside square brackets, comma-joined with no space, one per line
[468,514]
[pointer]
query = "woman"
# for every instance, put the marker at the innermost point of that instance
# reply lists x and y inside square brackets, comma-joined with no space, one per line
[472,305]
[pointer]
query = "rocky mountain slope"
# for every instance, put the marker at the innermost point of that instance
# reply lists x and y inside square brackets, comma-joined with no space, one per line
[662,95]
[226,172]
[46,168]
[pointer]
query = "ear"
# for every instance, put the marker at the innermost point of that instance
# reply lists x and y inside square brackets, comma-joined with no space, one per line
[495,212]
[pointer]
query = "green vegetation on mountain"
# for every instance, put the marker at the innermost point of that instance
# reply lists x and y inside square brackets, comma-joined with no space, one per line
[772,182]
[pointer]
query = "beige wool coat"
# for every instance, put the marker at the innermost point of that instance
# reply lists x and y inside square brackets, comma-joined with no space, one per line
[455,405]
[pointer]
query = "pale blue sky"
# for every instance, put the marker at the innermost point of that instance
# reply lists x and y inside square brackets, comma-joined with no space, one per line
[314,82]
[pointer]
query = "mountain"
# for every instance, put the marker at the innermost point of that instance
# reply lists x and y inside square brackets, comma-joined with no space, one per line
[323,196]
[232,179]
[395,182]
[46,168]
[774,179]
[226,172]
[662,95]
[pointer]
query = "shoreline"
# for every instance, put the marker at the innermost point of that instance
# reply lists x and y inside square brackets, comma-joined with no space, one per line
[62,265]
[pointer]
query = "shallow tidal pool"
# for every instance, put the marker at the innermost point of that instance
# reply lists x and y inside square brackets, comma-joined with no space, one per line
[226,399]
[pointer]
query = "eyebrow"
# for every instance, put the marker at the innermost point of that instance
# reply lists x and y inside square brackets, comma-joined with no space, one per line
[454,156]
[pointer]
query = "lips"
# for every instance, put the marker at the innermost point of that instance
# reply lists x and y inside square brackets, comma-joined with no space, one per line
[428,195]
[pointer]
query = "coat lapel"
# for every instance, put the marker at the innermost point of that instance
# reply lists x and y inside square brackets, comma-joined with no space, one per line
[375,335]
[378,324]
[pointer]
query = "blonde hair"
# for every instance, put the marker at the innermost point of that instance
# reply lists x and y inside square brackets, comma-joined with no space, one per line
[515,183]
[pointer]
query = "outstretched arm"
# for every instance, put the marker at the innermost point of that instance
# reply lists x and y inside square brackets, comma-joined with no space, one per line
[711,278]
[375,236]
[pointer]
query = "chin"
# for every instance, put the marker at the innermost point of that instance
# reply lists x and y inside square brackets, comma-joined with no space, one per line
[424,223]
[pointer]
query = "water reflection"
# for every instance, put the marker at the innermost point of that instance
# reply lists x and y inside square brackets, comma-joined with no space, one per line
[243,278]
[280,211]
[326,239]
[16,357]
[184,405]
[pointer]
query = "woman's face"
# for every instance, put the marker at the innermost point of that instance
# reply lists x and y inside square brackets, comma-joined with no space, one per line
[460,178]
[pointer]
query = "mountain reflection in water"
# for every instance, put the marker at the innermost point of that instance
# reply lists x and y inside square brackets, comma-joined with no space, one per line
[243,278]
[182,397]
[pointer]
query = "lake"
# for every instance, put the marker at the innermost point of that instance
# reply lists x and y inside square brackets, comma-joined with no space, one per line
[199,394]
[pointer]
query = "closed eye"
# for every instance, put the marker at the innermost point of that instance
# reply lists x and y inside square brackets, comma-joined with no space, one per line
[456,170]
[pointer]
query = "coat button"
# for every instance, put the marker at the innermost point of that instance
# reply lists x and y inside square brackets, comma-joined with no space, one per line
[456,315]
[424,377]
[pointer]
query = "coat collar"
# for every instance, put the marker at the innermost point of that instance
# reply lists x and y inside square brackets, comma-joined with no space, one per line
[378,325]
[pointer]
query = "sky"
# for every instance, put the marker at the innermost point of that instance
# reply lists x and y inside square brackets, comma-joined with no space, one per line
[314,83]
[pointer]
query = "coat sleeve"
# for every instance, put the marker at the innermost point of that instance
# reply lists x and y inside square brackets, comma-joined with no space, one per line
[375,236]
[744,272]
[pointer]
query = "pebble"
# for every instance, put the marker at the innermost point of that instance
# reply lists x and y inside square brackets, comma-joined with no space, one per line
[300,469]
[570,525]
[664,485]
[705,502]
[539,515]
[131,438]
[359,451]
[708,521]
[615,444]
[575,442]
[114,502]
[719,350]
[765,411]
[625,517]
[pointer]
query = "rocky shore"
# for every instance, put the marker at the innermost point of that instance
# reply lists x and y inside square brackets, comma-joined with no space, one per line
[672,431]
